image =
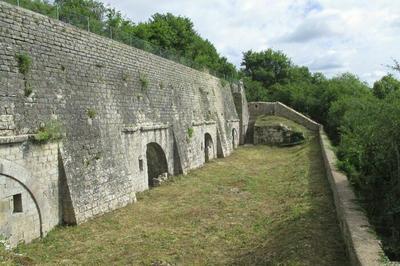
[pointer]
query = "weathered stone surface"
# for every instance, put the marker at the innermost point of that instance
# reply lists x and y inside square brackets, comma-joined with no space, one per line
[276,133]
[77,78]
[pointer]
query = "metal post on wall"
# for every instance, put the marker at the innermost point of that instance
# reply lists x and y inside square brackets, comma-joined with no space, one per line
[17,2]
[57,12]
[88,24]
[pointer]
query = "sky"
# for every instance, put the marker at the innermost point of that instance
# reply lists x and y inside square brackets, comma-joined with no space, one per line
[328,36]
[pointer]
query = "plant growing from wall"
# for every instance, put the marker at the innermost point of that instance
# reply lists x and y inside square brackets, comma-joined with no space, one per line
[51,131]
[144,82]
[125,76]
[24,63]
[27,89]
[24,66]
[190,132]
[224,82]
[91,113]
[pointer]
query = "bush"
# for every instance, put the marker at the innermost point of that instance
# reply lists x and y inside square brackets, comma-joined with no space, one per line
[144,82]
[24,63]
[51,131]
[190,131]
[91,113]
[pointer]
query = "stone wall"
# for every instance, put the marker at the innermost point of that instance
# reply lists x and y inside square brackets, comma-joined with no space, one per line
[242,109]
[111,101]
[275,108]
[362,244]
[29,172]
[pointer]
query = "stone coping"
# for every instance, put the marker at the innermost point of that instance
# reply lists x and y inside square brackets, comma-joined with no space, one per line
[200,123]
[362,244]
[132,129]
[14,139]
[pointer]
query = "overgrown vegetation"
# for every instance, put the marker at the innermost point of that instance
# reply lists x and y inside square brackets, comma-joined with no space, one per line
[91,113]
[363,122]
[51,131]
[144,81]
[260,206]
[24,63]
[190,131]
[297,133]
[24,66]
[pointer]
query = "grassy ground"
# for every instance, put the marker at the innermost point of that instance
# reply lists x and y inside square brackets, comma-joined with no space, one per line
[260,206]
[268,120]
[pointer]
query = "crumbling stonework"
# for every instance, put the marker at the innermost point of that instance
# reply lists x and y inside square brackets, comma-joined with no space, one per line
[276,134]
[92,86]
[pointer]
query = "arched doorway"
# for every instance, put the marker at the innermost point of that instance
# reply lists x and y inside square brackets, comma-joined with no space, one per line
[18,205]
[234,137]
[209,148]
[156,162]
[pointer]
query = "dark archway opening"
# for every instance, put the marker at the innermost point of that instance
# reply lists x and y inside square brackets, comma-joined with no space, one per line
[209,147]
[156,162]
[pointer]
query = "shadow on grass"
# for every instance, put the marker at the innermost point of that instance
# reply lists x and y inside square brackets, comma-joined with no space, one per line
[308,234]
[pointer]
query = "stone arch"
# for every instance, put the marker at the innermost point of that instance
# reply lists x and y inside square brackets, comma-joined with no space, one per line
[156,162]
[209,151]
[234,138]
[23,177]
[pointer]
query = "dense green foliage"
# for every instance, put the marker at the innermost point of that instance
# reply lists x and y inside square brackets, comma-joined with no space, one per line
[271,76]
[167,35]
[363,122]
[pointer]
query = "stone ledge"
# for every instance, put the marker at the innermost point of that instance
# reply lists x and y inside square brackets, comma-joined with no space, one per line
[14,139]
[201,123]
[128,130]
[154,127]
[363,247]
[132,129]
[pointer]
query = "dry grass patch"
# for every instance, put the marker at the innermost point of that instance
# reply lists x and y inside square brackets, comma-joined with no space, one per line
[260,206]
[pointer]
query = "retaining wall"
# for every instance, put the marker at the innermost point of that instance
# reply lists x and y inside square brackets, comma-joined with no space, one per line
[111,101]
[362,245]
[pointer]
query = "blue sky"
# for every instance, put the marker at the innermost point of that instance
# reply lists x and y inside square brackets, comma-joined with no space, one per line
[335,36]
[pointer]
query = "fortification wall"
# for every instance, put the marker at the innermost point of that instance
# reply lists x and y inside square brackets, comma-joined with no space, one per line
[362,244]
[242,110]
[111,100]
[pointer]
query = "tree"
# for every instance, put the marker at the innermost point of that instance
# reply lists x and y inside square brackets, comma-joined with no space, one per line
[177,36]
[268,67]
[385,86]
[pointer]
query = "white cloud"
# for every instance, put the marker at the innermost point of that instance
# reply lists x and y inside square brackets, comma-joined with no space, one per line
[364,34]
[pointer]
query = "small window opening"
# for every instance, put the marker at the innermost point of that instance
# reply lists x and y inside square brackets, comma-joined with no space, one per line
[256,105]
[141,164]
[17,202]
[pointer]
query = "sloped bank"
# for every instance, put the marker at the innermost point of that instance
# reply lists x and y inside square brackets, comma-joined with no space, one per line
[362,245]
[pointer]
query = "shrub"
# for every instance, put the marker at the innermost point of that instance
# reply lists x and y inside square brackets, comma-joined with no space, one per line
[144,82]
[24,63]
[190,132]
[49,132]
[223,82]
[91,113]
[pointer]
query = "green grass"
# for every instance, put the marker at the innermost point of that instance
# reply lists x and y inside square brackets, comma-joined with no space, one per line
[268,120]
[260,206]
